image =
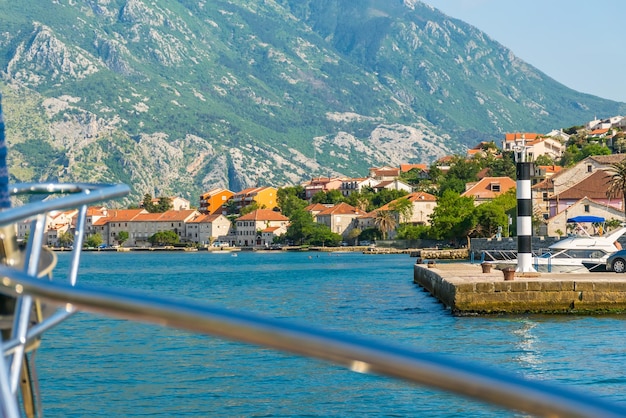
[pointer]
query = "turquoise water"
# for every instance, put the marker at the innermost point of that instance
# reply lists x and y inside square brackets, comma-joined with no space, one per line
[96,366]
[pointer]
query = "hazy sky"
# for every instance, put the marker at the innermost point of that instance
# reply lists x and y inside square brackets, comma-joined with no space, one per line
[579,43]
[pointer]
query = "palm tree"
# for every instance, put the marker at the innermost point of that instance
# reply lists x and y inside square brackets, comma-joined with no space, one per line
[617,183]
[385,221]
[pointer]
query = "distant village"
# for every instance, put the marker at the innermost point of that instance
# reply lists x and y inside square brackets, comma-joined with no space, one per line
[558,193]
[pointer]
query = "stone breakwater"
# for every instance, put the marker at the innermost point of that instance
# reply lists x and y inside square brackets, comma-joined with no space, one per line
[466,290]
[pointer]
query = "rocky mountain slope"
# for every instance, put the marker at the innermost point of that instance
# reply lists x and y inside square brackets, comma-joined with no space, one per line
[181,96]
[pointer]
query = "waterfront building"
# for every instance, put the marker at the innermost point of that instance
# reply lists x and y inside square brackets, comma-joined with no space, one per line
[581,207]
[423,206]
[205,229]
[116,221]
[93,214]
[594,187]
[144,225]
[339,218]
[58,223]
[253,229]
[585,168]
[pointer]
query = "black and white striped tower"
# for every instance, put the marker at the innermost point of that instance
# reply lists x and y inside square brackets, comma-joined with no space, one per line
[524,210]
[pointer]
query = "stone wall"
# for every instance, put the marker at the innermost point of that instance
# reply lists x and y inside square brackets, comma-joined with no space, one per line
[467,291]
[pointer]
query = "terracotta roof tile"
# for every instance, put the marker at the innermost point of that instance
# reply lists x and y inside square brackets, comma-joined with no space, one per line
[263,215]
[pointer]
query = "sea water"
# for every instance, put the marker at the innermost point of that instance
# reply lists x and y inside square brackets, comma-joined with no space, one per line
[92,365]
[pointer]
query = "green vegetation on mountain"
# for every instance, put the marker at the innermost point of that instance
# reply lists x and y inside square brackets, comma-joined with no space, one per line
[176,97]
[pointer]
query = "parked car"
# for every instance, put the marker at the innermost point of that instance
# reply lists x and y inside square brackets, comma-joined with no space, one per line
[617,262]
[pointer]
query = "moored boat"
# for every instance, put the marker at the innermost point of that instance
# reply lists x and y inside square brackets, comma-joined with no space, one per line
[579,252]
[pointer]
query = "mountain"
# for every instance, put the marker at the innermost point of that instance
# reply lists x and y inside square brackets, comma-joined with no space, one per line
[176,97]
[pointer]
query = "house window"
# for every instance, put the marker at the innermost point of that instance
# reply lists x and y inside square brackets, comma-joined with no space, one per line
[589,168]
[495,187]
[587,208]
[545,196]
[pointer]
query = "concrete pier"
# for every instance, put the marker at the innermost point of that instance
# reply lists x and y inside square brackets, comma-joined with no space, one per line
[466,290]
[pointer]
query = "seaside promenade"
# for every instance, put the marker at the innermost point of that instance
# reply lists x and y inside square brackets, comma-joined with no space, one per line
[466,290]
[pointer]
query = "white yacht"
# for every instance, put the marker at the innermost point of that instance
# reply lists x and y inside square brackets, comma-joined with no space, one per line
[580,252]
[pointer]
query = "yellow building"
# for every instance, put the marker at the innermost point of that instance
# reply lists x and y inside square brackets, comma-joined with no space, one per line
[265,197]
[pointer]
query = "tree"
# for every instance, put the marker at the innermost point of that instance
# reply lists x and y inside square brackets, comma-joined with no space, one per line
[122,237]
[385,221]
[594,149]
[147,203]
[453,217]
[502,167]
[291,199]
[93,240]
[300,227]
[331,197]
[66,239]
[571,156]
[322,235]
[353,235]
[543,159]
[165,204]
[403,207]
[617,182]
[249,208]
[490,216]
[386,196]
[413,232]
[164,238]
[361,200]
[231,207]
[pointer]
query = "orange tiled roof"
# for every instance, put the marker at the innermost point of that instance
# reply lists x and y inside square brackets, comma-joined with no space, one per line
[598,131]
[206,218]
[316,207]
[518,135]
[177,215]
[95,211]
[421,196]
[407,167]
[482,189]
[551,168]
[123,215]
[263,215]
[341,209]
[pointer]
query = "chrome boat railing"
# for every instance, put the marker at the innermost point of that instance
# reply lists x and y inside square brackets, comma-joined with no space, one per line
[25,278]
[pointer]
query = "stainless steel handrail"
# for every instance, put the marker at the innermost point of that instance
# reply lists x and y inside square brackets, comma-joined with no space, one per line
[84,194]
[356,353]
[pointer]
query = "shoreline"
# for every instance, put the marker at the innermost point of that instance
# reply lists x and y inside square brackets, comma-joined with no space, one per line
[412,252]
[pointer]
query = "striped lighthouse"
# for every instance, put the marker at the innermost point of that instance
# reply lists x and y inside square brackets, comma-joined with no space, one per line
[524,210]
